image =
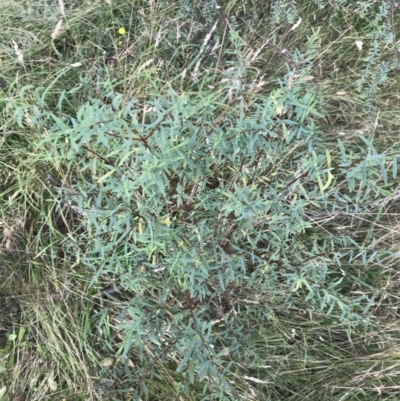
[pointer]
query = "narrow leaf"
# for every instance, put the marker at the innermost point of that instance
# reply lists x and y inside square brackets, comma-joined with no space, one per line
[369,144]
[105,176]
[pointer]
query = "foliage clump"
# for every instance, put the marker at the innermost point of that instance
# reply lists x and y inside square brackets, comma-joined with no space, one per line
[204,210]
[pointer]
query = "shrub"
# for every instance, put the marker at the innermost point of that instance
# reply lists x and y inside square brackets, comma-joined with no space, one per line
[210,212]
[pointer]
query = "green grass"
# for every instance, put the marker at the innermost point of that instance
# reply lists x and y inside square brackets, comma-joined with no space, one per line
[58,342]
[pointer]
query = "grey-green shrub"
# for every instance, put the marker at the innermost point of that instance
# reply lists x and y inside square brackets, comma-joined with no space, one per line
[203,210]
